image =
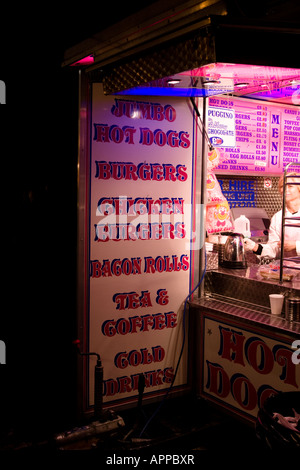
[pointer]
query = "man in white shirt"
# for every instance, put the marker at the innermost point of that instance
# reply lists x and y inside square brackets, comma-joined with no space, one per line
[291,234]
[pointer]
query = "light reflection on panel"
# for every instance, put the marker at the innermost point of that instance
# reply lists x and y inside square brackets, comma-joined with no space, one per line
[276,84]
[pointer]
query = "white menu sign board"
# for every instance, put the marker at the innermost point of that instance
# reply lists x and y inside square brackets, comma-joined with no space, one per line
[221,126]
[267,136]
[141,180]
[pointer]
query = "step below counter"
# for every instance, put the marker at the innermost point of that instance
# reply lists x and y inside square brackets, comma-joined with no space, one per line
[241,353]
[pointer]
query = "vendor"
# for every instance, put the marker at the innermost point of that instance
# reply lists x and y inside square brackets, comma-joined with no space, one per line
[291,234]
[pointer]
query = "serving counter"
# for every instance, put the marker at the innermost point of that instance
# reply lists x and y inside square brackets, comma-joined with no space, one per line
[243,352]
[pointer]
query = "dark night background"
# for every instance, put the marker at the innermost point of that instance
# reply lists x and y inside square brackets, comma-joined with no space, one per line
[39,203]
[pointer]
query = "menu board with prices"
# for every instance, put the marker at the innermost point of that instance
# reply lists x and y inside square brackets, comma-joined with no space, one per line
[267,137]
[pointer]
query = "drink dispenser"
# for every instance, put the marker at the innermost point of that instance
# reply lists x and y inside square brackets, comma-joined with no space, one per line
[242,225]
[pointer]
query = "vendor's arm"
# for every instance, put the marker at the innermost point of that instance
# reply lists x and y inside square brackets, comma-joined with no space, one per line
[271,248]
[260,249]
[291,245]
[291,241]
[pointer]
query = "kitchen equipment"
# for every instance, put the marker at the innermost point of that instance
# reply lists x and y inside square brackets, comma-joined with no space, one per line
[221,247]
[212,261]
[242,225]
[234,251]
[259,222]
[292,309]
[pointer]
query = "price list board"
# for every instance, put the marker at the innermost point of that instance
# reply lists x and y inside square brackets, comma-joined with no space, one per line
[267,137]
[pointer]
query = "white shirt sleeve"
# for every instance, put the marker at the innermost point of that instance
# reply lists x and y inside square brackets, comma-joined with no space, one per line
[271,248]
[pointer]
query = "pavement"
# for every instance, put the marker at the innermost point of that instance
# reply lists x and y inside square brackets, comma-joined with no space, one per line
[183,427]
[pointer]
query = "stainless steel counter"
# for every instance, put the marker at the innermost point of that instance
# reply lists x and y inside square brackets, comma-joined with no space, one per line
[241,353]
[249,313]
[252,273]
[244,294]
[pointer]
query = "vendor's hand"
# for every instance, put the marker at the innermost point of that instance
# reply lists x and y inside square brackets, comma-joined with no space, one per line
[249,244]
[288,245]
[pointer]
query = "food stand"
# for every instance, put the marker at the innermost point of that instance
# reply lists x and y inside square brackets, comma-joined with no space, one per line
[156,100]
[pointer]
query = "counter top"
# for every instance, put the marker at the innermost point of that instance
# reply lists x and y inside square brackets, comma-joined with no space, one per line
[252,273]
[248,312]
[248,285]
[243,293]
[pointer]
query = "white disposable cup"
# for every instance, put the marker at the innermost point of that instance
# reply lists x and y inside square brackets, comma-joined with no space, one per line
[276,302]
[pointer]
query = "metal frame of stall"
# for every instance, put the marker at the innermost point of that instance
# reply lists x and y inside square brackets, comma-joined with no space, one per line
[284,224]
[189,26]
